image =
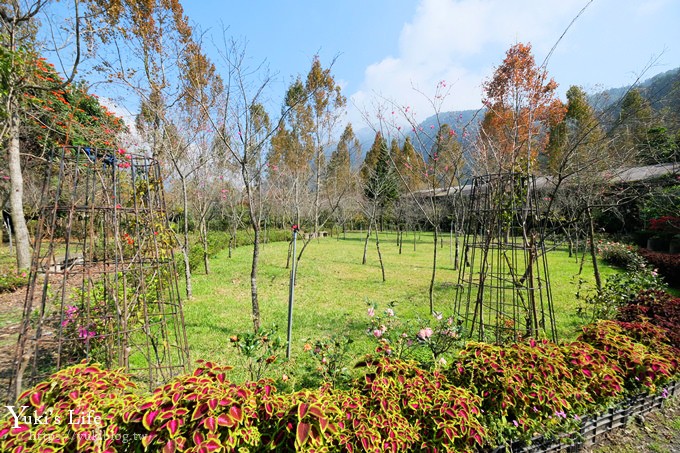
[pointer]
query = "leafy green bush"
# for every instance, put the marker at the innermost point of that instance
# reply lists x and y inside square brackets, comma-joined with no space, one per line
[220,240]
[622,289]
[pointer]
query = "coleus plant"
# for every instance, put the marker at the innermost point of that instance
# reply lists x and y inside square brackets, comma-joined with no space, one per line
[77,409]
[408,408]
[642,366]
[532,388]
[200,412]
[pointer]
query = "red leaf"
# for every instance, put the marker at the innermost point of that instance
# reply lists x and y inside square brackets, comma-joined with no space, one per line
[315,411]
[173,427]
[148,419]
[302,410]
[210,424]
[212,445]
[302,433]
[323,423]
[236,413]
[199,411]
[19,429]
[225,420]
[146,441]
[35,398]
[169,447]
[587,372]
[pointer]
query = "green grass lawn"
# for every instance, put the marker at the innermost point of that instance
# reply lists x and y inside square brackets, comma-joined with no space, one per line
[332,292]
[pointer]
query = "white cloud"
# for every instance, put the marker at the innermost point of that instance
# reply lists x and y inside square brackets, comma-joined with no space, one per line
[460,41]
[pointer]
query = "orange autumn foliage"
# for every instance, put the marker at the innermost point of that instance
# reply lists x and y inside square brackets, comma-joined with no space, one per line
[521,106]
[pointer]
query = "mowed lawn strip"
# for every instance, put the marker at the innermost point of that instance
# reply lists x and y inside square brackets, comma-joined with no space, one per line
[332,291]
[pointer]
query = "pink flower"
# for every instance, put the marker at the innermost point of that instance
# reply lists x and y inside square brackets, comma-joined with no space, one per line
[425,333]
[655,273]
[377,333]
[389,312]
[85,334]
[371,312]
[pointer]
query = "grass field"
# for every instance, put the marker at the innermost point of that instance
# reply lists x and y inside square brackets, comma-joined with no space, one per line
[332,292]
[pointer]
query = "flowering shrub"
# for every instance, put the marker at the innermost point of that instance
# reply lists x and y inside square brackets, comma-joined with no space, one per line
[331,356]
[11,281]
[621,255]
[406,339]
[258,350]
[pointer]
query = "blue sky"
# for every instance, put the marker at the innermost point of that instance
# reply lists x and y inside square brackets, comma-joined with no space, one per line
[384,48]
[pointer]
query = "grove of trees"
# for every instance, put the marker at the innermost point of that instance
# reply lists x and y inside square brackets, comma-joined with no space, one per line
[233,164]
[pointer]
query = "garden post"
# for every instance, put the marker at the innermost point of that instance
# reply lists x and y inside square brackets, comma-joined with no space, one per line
[291,293]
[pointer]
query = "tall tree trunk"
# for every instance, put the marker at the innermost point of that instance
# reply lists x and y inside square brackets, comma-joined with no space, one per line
[16,197]
[255,223]
[185,246]
[377,246]
[456,257]
[368,235]
[593,251]
[317,202]
[204,239]
[253,278]
[434,269]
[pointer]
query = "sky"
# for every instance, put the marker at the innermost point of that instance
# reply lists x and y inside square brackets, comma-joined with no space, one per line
[394,49]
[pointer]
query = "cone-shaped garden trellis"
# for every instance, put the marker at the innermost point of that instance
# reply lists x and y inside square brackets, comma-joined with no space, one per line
[503,284]
[103,284]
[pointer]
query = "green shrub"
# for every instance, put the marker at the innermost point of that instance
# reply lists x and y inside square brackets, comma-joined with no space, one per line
[220,240]
[622,289]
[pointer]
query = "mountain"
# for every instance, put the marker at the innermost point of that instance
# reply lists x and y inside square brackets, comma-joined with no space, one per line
[662,91]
